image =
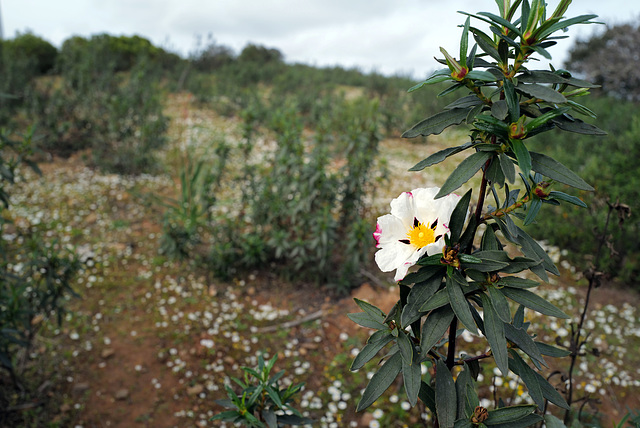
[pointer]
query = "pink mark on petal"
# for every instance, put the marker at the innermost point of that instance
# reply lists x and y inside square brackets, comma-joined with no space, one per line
[376,235]
[409,193]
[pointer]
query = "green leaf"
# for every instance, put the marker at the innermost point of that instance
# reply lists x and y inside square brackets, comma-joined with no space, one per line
[532,249]
[552,351]
[522,339]
[500,304]
[489,240]
[566,23]
[439,157]
[458,217]
[501,21]
[464,43]
[567,198]
[492,260]
[438,300]
[406,348]
[270,418]
[412,378]
[500,110]
[369,351]
[525,422]
[465,170]
[484,76]
[372,310]
[577,126]
[446,398]
[553,422]
[511,98]
[486,43]
[553,169]
[522,155]
[365,320]
[509,414]
[532,211]
[428,396]
[460,306]
[425,273]
[550,393]
[437,123]
[533,301]
[508,168]
[418,295]
[542,92]
[517,282]
[434,327]
[380,381]
[528,375]
[494,331]
[462,382]
[544,118]
[228,416]
[437,77]
[466,102]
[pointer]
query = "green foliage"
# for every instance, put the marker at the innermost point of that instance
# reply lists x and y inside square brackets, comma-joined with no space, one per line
[31,48]
[35,275]
[504,104]
[608,162]
[261,403]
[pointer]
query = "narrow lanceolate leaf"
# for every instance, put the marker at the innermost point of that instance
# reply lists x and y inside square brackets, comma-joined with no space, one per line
[532,211]
[366,320]
[532,249]
[406,348]
[567,198]
[437,123]
[439,157]
[509,414]
[438,300]
[522,155]
[434,327]
[511,98]
[418,295]
[446,398]
[428,396]
[551,168]
[528,376]
[525,422]
[372,310]
[507,168]
[437,77]
[533,301]
[550,393]
[369,351]
[552,351]
[517,282]
[380,381]
[465,170]
[458,217]
[500,304]
[552,422]
[412,378]
[576,126]
[545,93]
[522,339]
[485,76]
[494,330]
[460,306]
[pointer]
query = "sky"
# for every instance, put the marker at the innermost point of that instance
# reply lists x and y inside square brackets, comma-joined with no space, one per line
[386,36]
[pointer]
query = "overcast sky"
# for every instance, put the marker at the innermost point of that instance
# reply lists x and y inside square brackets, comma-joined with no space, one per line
[389,36]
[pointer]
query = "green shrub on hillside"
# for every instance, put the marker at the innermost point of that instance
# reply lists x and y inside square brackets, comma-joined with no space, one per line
[611,162]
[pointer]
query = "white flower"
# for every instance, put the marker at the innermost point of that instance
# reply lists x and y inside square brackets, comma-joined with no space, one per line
[414,228]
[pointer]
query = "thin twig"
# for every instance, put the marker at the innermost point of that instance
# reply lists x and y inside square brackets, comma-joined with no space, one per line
[290,324]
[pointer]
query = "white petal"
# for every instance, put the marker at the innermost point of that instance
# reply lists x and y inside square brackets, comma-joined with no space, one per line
[403,207]
[393,255]
[390,229]
[402,270]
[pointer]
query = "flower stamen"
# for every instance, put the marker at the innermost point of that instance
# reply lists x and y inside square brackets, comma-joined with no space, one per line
[421,235]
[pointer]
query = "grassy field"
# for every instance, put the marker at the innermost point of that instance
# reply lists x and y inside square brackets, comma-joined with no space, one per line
[151,341]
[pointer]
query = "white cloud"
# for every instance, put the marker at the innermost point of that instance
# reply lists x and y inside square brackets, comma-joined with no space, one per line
[382,35]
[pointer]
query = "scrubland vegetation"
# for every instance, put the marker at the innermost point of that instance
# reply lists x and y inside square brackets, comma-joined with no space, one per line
[160,215]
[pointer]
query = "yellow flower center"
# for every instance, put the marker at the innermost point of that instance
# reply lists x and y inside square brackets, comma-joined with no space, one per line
[421,235]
